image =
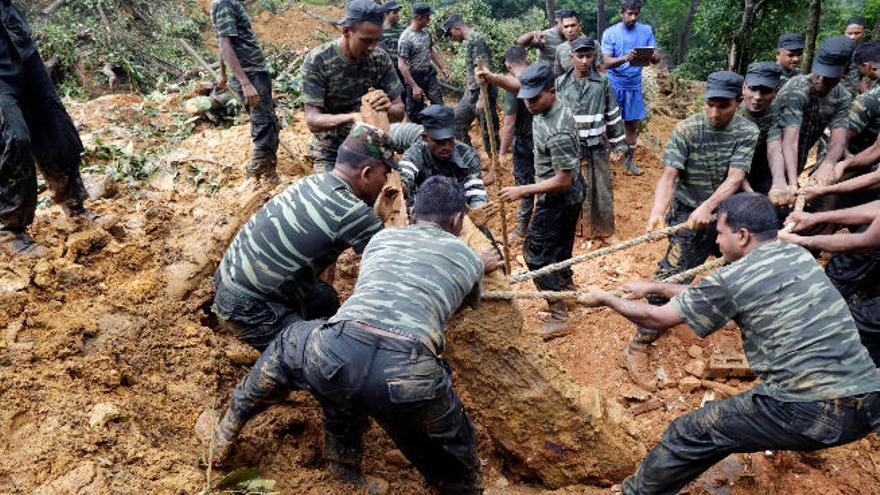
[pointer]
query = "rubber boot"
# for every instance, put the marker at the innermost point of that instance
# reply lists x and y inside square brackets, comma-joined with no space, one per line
[225,435]
[19,243]
[638,364]
[559,323]
[628,163]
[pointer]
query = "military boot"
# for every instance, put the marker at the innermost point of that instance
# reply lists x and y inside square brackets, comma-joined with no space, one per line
[638,364]
[628,163]
[19,243]
[559,323]
[224,436]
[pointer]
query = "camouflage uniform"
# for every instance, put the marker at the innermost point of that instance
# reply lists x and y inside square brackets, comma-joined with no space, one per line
[552,40]
[268,277]
[550,236]
[703,156]
[418,164]
[389,42]
[818,387]
[35,127]
[851,79]
[476,47]
[759,175]
[416,48]
[596,115]
[405,134]
[864,120]
[562,62]
[522,153]
[337,84]
[231,21]
[857,277]
[788,74]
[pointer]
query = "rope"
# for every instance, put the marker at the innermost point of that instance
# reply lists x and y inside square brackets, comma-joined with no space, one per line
[635,241]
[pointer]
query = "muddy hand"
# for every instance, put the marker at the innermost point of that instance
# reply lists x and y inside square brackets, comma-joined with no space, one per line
[384,206]
[491,259]
[800,220]
[251,96]
[699,219]
[654,223]
[380,101]
[636,289]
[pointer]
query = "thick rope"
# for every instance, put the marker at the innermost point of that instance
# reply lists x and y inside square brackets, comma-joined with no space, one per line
[635,241]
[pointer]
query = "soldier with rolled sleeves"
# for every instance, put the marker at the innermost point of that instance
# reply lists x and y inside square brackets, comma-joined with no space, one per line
[852,79]
[589,96]
[559,189]
[864,117]
[338,73]
[391,31]
[378,356]
[706,161]
[546,41]
[416,59]
[789,52]
[818,387]
[439,153]
[269,275]
[241,52]
[35,128]
[805,106]
[759,90]
[571,30]
[471,102]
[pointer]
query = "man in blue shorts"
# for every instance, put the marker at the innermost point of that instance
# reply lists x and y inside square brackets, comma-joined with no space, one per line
[618,48]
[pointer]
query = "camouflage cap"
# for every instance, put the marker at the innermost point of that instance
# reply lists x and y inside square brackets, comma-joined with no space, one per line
[370,142]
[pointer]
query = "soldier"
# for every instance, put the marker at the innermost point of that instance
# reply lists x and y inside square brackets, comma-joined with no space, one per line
[405,134]
[805,106]
[618,48]
[439,153]
[391,30]
[378,356]
[35,127]
[559,189]
[789,52]
[241,52]
[415,63]
[268,277]
[759,90]
[706,161]
[472,102]
[337,74]
[571,30]
[545,41]
[516,134]
[852,80]
[818,387]
[864,114]
[589,96]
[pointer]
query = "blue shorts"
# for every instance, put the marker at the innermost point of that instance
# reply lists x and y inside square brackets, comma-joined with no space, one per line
[632,103]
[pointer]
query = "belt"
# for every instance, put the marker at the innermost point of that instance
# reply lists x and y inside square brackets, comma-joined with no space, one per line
[370,329]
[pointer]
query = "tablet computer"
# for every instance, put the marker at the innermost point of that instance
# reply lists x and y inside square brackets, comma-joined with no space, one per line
[643,56]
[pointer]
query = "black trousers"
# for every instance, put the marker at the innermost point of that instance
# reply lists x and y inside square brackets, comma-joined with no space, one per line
[35,126]
[550,239]
[523,174]
[467,110]
[264,125]
[748,422]
[857,278]
[430,86]
[406,389]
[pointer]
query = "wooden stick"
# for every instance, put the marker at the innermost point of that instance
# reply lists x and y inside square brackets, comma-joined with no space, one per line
[53,7]
[494,167]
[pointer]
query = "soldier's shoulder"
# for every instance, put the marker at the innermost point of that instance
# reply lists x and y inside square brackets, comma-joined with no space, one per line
[465,151]
[745,125]
[322,53]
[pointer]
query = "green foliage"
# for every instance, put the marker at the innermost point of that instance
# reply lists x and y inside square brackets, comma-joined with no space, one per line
[121,164]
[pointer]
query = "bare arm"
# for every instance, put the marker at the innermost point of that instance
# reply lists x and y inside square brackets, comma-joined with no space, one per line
[403,67]
[780,194]
[318,121]
[507,133]
[662,197]
[825,173]
[868,156]
[701,217]
[857,215]
[866,241]
[638,289]
[560,181]
[612,62]
[439,61]
[504,81]
[790,138]
[529,39]
[647,315]
[228,57]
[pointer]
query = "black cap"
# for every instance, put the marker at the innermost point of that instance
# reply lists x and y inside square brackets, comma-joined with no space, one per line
[534,79]
[451,21]
[421,8]
[765,74]
[791,41]
[439,121]
[582,43]
[364,11]
[391,5]
[723,84]
[833,56]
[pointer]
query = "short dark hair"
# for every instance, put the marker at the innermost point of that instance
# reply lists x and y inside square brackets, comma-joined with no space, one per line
[857,19]
[867,52]
[356,25]
[516,55]
[751,211]
[355,160]
[439,199]
[630,5]
[568,13]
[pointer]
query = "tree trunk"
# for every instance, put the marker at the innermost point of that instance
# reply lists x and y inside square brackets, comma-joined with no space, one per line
[736,47]
[550,5]
[812,33]
[685,34]
[875,35]
[601,20]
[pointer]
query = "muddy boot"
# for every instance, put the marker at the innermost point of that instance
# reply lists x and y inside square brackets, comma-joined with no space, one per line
[19,243]
[638,364]
[518,232]
[223,437]
[559,323]
[80,212]
[348,473]
[628,163]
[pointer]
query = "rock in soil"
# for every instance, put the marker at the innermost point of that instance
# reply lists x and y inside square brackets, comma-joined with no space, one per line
[397,458]
[103,413]
[689,384]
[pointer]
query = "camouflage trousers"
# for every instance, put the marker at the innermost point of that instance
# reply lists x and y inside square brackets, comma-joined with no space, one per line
[523,174]
[467,110]
[34,126]
[857,278]
[325,146]
[550,239]
[264,126]
[430,86]
[687,249]
[406,389]
[597,216]
[749,422]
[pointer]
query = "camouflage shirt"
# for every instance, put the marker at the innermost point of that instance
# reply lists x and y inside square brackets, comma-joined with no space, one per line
[552,40]
[231,21]
[864,120]
[851,79]
[788,74]
[595,109]
[411,280]
[703,154]
[798,105]
[797,331]
[517,106]
[418,164]
[562,62]
[283,249]
[404,134]
[759,175]
[389,41]
[476,47]
[556,148]
[415,47]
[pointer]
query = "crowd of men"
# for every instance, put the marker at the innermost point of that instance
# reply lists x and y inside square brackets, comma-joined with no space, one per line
[733,173]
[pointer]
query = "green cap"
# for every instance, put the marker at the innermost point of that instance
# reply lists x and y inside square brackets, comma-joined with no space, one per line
[371,142]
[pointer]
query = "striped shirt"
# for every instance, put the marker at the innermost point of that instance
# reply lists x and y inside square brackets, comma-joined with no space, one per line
[418,163]
[595,109]
[283,249]
[389,41]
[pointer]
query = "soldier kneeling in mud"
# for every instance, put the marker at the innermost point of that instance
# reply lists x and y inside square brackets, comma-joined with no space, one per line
[378,356]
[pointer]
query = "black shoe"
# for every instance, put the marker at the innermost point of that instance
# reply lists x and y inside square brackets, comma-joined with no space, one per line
[630,166]
[22,244]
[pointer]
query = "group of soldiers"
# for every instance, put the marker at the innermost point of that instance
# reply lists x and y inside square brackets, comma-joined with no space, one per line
[732,172]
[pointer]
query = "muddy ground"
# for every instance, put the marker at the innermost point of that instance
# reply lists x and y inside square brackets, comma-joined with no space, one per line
[108,355]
